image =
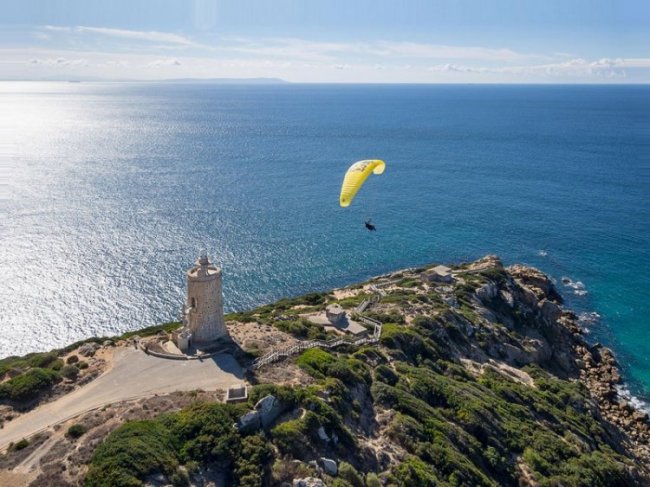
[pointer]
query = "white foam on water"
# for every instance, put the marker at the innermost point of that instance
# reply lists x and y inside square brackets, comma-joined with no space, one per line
[578,287]
[588,318]
[637,403]
[542,253]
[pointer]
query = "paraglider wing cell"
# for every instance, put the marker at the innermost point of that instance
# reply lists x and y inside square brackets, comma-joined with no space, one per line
[356,176]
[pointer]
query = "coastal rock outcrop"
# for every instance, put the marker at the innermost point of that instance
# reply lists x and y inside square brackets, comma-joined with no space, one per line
[265,413]
[484,380]
[329,466]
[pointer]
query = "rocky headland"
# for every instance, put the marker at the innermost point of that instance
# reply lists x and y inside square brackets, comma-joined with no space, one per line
[480,376]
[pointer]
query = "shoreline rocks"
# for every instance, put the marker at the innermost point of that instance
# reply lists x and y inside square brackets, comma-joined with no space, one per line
[596,364]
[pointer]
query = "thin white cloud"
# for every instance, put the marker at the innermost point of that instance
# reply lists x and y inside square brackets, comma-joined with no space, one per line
[59,61]
[164,62]
[57,28]
[455,68]
[150,36]
[443,51]
[633,63]
[577,68]
[305,49]
[572,67]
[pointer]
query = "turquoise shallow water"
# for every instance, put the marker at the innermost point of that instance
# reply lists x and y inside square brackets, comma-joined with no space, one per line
[113,188]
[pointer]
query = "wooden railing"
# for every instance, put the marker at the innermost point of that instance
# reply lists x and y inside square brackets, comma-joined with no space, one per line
[281,354]
[367,303]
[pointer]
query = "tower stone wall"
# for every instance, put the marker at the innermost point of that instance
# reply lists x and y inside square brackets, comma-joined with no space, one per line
[204,304]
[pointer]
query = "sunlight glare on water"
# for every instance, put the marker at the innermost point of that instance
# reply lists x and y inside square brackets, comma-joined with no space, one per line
[110,190]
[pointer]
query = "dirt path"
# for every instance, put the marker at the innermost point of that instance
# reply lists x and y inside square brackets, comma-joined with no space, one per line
[30,465]
[133,374]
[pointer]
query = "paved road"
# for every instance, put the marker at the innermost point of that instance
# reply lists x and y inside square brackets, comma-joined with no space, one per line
[133,374]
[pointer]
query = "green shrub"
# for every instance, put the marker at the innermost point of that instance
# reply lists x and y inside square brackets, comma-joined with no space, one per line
[76,430]
[291,438]
[251,465]
[41,360]
[287,395]
[409,282]
[57,364]
[20,445]
[313,298]
[353,301]
[315,361]
[349,473]
[202,433]
[297,328]
[496,275]
[349,370]
[413,472]
[81,365]
[242,317]
[72,359]
[403,296]
[205,432]
[320,363]
[180,478]
[414,346]
[372,480]
[425,322]
[386,374]
[29,385]
[151,330]
[70,372]
[392,317]
[131,453]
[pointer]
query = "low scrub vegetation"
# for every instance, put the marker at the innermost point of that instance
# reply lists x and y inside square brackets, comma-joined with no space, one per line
[30,385]
[451,427]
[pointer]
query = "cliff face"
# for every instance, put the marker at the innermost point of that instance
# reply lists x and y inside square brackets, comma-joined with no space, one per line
[484,380]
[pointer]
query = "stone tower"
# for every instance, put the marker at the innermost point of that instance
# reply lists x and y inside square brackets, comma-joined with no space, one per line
[203,312]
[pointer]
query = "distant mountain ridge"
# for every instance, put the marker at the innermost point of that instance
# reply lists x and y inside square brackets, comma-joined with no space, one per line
[251,81]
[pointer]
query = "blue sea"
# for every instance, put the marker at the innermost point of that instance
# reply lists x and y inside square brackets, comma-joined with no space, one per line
[110,191]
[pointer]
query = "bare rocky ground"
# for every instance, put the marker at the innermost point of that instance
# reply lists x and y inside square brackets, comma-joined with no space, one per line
[258,338]
[287,373]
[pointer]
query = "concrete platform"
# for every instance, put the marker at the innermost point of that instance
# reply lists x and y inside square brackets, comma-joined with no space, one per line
[346,325]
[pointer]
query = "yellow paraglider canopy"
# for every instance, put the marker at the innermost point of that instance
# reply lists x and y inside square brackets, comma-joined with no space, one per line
[356,176]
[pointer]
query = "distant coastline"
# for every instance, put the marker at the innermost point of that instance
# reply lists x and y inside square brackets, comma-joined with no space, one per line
[90,79]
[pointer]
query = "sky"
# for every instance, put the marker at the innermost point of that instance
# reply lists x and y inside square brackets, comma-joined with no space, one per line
[323,41]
